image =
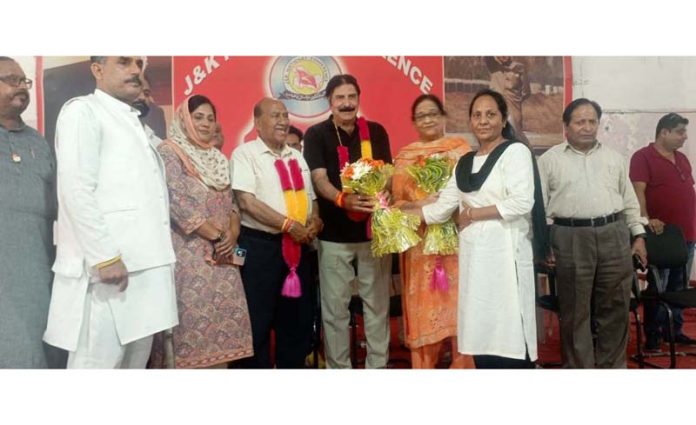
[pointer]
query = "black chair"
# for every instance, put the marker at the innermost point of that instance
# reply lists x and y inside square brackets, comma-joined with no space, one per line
[316,343]
[356,309]
[665,251]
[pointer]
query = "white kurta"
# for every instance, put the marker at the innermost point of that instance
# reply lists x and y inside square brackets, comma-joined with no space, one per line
[496,313]
[112,200]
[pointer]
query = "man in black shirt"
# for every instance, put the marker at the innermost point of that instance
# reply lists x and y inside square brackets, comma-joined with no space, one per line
[343,241]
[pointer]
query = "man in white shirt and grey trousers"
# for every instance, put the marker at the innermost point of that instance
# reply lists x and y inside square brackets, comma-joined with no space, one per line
[114,281]
[596,229]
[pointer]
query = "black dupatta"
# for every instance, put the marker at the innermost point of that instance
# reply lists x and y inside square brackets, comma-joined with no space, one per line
[467,181]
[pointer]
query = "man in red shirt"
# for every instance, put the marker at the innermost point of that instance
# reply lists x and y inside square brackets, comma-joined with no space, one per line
[663,182]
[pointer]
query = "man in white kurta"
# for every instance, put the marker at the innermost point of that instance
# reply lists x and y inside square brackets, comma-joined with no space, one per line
[114,286]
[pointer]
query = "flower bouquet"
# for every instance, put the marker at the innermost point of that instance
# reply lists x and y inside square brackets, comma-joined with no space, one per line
[431,175]
[392,231]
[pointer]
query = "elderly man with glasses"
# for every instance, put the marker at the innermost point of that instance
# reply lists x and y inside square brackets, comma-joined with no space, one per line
[27,211]
[664,184]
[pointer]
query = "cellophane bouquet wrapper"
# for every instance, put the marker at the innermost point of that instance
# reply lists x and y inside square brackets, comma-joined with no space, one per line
[431,174]
[392,230]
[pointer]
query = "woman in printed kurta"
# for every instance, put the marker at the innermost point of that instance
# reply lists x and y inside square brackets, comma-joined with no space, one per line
[430,315]
[214,326]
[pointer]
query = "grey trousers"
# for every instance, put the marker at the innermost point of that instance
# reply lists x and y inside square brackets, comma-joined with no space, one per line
[336,273]
[594,271]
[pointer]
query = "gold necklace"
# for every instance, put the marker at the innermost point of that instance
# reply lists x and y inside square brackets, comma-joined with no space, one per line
[338,135]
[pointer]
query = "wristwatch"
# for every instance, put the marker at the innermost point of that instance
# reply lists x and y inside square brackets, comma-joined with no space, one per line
[219,237]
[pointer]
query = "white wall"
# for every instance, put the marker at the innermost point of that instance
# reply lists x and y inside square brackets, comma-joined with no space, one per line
[634,93]
[637,83]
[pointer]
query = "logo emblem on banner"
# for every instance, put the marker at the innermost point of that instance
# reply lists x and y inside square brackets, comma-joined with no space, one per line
[300,83]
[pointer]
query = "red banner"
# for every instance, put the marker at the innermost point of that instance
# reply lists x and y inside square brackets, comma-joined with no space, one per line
[389,85]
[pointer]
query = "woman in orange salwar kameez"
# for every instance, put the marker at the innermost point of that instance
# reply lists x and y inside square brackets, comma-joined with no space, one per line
[430,315]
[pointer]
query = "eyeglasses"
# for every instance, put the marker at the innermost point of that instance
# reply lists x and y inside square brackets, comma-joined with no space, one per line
[16,81]
[423,117]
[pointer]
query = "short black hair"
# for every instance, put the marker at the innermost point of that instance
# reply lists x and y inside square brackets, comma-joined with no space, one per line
[97,59]
[339,80]
[572,106]
[670,122]
[422,98]
[197,100]
[296,131]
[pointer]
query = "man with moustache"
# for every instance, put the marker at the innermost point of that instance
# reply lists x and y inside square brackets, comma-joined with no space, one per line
[344,243]
[113,287]
[595,215]
[664,184]
[279,213]
[27,211]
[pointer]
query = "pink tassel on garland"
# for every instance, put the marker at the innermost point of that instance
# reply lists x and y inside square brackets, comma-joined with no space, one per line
[291,250]
[291,254]
[439,278]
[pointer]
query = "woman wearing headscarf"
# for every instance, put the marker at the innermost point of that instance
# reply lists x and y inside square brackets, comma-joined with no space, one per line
[214,326]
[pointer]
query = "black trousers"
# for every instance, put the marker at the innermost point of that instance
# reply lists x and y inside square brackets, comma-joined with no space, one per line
[497,362]
[263,275]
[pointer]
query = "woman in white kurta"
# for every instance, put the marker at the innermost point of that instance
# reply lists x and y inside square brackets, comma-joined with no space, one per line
[496,314]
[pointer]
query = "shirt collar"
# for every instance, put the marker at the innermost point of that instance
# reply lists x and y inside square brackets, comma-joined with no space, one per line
[656,154]
[113,102]
[567,146]
[22,127]
[262,148]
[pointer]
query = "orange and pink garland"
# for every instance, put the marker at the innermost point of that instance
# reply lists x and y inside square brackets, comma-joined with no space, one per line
[297,205]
